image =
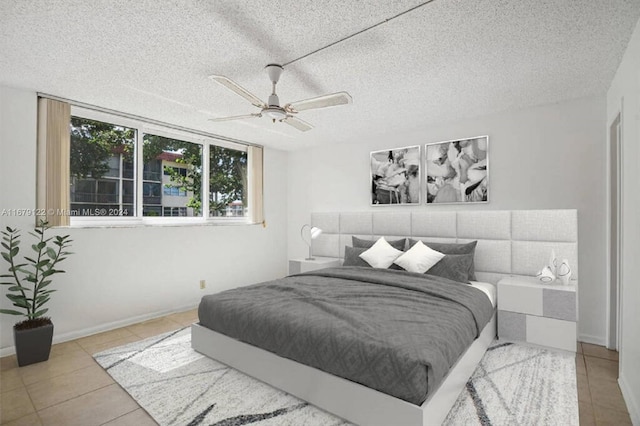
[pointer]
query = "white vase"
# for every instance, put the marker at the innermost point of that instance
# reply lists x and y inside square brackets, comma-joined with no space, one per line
[564,272]
[553,263]
[546,276]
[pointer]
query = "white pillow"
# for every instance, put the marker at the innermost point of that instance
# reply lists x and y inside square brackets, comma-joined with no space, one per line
[419,258]
[381,254]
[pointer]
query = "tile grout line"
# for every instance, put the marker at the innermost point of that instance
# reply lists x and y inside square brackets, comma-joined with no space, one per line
[593,404]
[138,407]
[77,396]
[590,403]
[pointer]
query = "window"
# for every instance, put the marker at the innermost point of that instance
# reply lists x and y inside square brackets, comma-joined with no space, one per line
[101,168]
[227,182]
[174,211]
[173,191]
[124,170]
[176,166]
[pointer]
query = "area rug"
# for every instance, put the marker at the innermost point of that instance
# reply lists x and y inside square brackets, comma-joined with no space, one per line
[512,385]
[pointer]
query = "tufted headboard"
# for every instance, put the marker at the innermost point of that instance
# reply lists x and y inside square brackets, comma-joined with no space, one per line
[510,242]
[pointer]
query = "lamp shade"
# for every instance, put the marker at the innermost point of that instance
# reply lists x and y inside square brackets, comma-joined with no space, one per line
[315,232]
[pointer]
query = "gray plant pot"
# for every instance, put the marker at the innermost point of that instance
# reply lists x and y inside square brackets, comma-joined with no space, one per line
[33,344]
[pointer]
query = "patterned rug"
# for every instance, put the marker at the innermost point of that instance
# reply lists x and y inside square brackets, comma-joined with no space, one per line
[512,385]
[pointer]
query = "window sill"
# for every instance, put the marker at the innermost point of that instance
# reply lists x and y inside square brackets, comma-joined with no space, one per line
[155,222]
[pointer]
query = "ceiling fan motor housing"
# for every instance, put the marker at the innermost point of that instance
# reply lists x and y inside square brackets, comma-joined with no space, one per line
[273,100]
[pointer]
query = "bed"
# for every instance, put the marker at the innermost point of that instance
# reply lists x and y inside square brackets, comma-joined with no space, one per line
[369,387]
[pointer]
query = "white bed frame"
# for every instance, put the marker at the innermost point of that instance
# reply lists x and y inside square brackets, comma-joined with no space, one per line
[509,243]
[351,401]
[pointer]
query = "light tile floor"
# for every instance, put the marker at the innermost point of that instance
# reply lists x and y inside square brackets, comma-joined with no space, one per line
[599,395]
[72,389]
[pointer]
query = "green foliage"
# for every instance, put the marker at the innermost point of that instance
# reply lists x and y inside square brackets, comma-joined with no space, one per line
[36,270]
[227,178]
[227,172]
[191,156]
[93,143]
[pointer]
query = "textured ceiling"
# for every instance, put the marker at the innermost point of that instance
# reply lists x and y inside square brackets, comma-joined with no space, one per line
[445,61]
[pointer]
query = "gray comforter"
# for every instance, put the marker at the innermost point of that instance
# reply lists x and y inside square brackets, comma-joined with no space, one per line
[392,331]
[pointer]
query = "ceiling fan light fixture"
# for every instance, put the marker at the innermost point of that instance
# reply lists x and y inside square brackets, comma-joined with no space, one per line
[274,113]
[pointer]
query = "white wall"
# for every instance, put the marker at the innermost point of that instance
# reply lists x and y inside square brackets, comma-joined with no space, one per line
[624,94]
[120,275]
[541,158]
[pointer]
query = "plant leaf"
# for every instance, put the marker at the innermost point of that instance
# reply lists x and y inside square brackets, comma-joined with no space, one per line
[21,269]
[51,253]
[16,297]
[42,263]
[11,312]
[21,304]
[43,284]
[41,301]
[40,313]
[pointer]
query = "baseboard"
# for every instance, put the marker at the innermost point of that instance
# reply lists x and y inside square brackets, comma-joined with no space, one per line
[631,400]
[77,334]
[594,340]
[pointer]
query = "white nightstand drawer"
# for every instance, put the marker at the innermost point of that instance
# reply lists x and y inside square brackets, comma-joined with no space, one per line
[551,332]
[542,314]
[525,300]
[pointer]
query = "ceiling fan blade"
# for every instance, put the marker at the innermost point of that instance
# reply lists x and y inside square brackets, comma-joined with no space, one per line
[239,90]
[334,99]
[301,125]
[236,117]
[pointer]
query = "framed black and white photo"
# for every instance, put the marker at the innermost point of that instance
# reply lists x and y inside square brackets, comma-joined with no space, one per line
[395,176]
[457,171]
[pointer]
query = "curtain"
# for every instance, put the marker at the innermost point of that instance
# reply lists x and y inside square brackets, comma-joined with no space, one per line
[53,161]
[256,205]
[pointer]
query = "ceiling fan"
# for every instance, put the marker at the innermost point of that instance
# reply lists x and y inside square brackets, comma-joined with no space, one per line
[272,109]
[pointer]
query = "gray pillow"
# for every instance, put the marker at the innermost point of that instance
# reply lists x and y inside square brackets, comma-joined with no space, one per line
[454,267]
[453,248]
[360,243]
[352,256]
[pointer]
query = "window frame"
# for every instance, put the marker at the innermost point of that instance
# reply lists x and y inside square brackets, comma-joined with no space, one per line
[141,128]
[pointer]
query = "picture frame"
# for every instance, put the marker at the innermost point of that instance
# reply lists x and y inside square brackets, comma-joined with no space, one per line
[395,176]
[457,171]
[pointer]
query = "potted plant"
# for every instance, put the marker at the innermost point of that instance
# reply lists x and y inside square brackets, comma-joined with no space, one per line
[29,290]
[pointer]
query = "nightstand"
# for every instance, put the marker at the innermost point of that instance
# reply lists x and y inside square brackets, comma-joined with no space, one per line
[542,314]
[298,266]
